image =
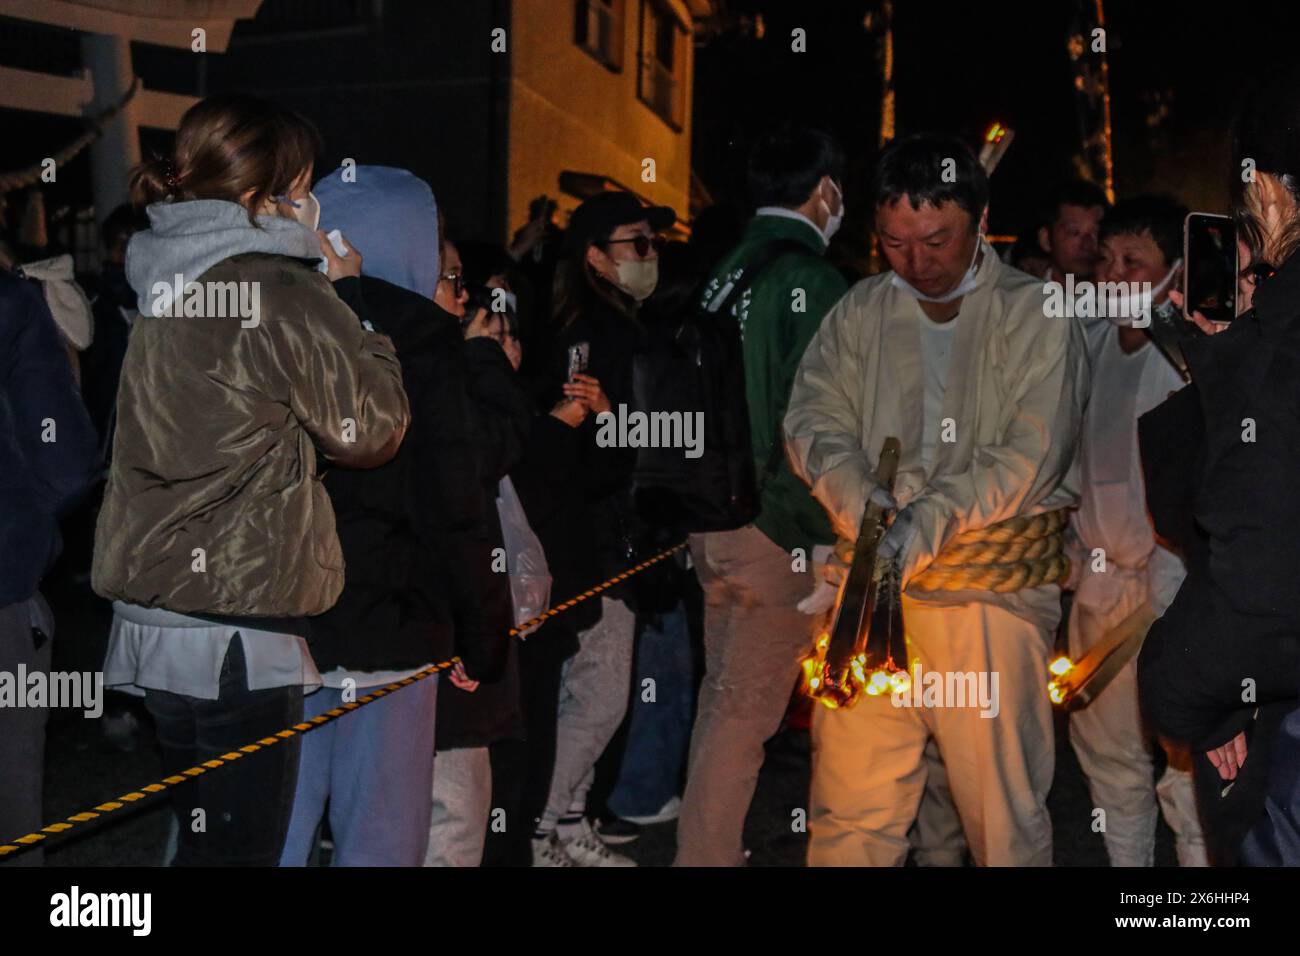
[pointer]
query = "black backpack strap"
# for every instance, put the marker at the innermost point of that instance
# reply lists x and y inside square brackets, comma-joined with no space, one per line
[753,270]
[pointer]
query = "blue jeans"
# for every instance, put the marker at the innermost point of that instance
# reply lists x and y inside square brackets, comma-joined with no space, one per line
[659,731]
[373,767]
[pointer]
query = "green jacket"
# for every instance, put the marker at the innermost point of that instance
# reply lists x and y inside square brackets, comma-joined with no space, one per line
[776,324]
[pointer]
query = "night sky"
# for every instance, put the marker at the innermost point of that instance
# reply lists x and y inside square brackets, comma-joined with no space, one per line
[1177,71]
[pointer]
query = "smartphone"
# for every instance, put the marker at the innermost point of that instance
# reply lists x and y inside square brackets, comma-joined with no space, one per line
[1210,267]
[578,354]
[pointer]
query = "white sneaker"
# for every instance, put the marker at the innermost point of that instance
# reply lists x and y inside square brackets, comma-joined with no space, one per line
[588,849]
[669,811]
[547,852]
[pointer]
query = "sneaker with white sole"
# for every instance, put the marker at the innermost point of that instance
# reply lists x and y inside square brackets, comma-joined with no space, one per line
[588,849]
[669,811]
[547,852]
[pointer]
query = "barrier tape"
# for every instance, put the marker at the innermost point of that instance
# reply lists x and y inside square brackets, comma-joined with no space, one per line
[150,791]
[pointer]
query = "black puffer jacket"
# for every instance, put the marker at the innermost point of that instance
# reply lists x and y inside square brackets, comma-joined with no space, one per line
[578,494]
[501,415]
[417,533]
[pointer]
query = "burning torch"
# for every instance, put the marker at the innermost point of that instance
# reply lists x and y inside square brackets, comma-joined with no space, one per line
[864,650]
[1074,684]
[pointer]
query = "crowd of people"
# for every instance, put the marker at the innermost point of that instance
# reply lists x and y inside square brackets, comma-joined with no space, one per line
[394,460]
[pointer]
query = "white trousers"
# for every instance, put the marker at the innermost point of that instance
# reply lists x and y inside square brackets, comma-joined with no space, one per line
[869,761]
[1116,753]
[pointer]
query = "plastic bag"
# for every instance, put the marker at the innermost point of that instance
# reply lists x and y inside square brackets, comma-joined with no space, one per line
[530,578]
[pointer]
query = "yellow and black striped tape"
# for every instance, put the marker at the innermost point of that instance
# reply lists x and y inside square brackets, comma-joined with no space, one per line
[148,791]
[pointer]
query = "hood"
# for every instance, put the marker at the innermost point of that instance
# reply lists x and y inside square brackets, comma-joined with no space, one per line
[68,304]
[391,217]
[189,238]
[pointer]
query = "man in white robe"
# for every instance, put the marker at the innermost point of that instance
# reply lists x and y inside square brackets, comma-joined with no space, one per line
[951,353]
[1118,564]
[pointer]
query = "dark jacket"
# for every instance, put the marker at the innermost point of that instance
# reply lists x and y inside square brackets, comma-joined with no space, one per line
[48,456]
[501,415]
[418,532]
[577,494]
[775,337]
[221,432]
[101,363]
[1235,624]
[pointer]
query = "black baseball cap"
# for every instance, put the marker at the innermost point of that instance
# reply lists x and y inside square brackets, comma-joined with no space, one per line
[604,212]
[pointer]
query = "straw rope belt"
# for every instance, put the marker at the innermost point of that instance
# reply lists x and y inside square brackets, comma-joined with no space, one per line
[1026,551]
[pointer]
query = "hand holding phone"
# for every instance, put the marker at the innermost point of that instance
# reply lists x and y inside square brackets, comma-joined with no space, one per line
[1210,268]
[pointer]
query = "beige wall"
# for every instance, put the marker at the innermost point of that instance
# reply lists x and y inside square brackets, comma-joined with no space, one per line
[567,111]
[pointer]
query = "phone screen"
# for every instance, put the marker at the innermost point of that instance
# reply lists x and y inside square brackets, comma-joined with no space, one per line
[1210,266]
[578,354]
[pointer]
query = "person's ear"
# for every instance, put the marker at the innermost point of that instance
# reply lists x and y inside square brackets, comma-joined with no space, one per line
[1045,239]
[984,221]
[599,260]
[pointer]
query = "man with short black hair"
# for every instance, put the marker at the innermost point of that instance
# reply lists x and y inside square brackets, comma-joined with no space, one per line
[754,577]
[1120,569]
[1069,221]
[951,354]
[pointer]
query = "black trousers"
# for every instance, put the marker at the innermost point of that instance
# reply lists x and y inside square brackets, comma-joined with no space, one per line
[521,769]
[22,729]
[236,814]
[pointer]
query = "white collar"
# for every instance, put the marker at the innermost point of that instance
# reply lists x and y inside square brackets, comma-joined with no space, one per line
[789,214]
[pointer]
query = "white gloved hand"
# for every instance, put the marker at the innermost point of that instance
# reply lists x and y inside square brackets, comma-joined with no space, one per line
[883,498]
[822,598]
[899,535]
[823,592]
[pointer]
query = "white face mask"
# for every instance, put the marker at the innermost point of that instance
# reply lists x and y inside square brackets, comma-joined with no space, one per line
[305,211]
[833,219]
[968,281]
[1135,309]
[638,277]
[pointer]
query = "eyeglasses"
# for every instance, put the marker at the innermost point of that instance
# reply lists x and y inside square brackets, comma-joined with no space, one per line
[642,244]
[457,280]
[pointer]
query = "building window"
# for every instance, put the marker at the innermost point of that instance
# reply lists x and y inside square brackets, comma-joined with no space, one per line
[661,79]
[598,29]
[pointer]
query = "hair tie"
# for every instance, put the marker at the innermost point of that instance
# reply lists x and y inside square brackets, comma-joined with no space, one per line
[169,174]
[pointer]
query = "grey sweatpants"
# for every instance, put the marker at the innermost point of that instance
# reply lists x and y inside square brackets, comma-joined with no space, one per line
[462,794]
[22,729]
[594,688]
[754,637]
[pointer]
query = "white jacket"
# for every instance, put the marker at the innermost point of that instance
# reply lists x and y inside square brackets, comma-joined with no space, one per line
[1016,389]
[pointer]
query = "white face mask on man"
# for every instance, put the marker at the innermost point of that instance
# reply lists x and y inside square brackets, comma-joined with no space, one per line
[968,281]
[1135,308]
[833,219]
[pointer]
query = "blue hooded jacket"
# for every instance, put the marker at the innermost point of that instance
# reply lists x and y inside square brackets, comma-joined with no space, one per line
[390,216]
[49,454]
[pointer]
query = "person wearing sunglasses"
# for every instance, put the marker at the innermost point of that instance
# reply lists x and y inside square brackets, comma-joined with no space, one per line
[608,265]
